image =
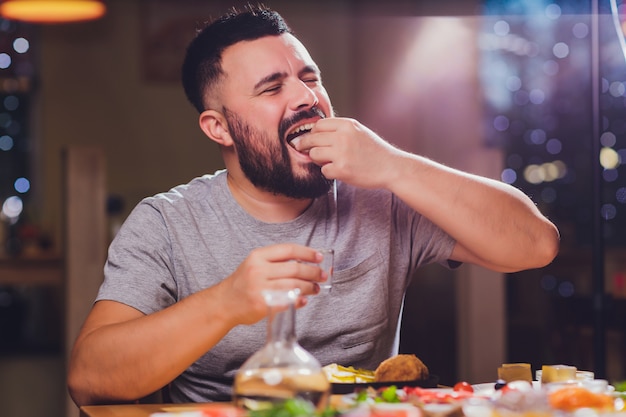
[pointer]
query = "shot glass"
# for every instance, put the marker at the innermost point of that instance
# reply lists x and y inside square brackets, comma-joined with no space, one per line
[327,265]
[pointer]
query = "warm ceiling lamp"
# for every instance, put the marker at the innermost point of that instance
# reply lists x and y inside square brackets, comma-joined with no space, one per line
[52,11]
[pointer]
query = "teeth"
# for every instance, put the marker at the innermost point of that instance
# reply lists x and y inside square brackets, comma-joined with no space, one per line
[304,127]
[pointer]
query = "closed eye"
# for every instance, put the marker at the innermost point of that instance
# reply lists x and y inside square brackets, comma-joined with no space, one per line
[272,89]
[310,74]
[311,80]
[270,83]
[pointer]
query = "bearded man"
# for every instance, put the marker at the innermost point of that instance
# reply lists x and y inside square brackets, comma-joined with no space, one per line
[181,303]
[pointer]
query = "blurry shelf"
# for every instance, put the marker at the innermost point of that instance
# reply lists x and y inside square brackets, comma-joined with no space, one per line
[45,271]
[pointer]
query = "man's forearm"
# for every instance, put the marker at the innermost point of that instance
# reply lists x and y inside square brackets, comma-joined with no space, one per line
[492,220]
[134,355]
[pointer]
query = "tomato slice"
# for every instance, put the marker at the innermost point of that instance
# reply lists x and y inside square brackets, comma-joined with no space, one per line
[463,387]
[429,396]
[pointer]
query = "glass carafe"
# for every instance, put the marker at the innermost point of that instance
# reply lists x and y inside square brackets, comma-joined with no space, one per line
[282,369]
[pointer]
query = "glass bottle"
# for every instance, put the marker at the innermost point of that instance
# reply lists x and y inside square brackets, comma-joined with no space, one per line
[282,369]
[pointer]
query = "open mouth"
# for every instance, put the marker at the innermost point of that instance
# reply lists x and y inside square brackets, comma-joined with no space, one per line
[294,136]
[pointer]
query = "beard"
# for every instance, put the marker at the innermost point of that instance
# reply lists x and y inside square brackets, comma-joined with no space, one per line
[267,163]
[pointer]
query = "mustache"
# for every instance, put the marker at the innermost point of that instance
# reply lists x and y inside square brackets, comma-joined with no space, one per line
[286,124]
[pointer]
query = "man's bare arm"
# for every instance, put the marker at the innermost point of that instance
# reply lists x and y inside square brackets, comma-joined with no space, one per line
[495,225]
[122,355]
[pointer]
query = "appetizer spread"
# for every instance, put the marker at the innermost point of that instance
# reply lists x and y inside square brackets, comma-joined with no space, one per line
[559,391]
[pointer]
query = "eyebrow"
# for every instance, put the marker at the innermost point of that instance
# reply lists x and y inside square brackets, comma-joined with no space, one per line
[269,79]
[308,69]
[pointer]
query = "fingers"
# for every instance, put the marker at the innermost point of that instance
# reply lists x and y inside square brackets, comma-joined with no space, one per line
[331,124]
[284,252]
[284,266]
[294,266]
[348,151]
[297,270]
[320,144]
[306,287]
[323,134]
[301,302]
[275,267]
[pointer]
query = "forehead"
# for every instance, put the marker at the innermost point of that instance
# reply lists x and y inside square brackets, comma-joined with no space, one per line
[249,61]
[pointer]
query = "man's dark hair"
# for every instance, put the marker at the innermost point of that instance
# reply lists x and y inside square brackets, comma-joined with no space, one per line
[202,66]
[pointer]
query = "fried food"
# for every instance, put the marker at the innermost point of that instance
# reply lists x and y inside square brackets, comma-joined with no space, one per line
[401,367]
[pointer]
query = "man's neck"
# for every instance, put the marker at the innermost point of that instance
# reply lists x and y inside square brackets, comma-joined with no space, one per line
[263,205]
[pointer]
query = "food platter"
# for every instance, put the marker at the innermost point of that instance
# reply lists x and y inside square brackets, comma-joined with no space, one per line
[488,388]
[342,388]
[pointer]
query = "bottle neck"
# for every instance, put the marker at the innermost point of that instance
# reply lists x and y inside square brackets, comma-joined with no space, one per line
[281,324]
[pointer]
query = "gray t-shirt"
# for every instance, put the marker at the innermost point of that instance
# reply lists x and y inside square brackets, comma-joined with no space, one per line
[192,237]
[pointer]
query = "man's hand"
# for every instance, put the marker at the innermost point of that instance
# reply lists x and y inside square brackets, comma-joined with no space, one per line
[283,266]
[348,151]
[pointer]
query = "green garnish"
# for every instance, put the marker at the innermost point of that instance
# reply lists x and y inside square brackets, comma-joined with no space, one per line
[362,396]
[292,407]
[297,407]
[389,395]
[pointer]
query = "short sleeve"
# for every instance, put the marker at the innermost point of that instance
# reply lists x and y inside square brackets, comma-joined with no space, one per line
[139,268]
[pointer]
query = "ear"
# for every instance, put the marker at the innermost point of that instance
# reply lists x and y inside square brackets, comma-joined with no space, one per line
[213,124]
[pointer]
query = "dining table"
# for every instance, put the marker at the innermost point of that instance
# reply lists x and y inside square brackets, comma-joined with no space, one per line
[142,410]
[146,410]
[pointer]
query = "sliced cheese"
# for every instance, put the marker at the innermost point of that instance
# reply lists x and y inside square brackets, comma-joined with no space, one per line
[515,372]
[557,373]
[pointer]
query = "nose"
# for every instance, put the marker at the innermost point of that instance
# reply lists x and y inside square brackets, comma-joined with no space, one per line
[303,96]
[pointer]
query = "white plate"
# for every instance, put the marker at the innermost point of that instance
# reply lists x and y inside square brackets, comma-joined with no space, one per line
[489,388]
[485,389]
